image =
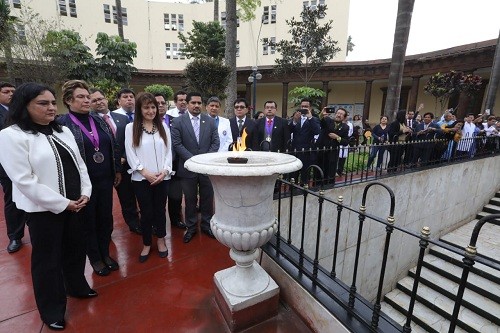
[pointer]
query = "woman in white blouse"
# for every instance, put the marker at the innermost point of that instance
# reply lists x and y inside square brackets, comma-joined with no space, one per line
[149,154]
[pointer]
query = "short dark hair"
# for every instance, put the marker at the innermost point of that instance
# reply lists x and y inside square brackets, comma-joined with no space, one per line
[159,94]
[94,90]
[180,92]
[430,114]
[275,104]
[124,91]
[240,100]
[345,111]
[306,100]
[6,84]
[193,94]
[18,108]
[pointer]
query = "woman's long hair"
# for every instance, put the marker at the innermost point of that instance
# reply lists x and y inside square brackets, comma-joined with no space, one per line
[145,99]
[18,108]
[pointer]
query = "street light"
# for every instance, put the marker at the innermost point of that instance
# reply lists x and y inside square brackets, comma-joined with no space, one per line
[253,79]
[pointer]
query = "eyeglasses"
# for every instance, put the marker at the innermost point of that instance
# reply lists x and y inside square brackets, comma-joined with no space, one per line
[240,107]
[97,100]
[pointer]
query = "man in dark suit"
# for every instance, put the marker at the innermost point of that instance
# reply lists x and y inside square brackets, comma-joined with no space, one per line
[241,122]
[14,217]
[334,133]
[270,133]
[194,133]
[425,131]
[411,123]
[304,127]
[117,123]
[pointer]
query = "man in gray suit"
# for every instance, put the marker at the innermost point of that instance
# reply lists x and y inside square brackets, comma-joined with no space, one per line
[194,133]
[117,123]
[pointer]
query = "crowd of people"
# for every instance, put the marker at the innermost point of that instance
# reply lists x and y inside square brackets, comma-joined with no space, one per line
[59,169]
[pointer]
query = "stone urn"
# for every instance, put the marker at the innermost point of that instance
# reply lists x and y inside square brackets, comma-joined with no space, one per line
[244,220]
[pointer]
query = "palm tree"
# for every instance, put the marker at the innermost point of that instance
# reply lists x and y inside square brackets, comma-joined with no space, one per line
[403,23]
[7,29]
[216,10]
[230,54]
[494,79]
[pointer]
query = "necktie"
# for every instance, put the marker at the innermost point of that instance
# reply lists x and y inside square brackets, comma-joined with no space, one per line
[196,128]
[302,121]
[181,112]
[130,116]
[110,124]
[240,125]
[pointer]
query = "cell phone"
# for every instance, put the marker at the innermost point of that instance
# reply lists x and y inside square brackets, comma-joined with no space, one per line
[304,111]
[330,109]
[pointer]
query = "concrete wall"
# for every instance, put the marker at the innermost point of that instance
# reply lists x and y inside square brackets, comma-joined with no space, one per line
[442,198]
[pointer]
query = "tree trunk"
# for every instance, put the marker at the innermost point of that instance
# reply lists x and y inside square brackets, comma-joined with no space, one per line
[216,10]
[119,18]
[403,23]
[494,79]
[230,55]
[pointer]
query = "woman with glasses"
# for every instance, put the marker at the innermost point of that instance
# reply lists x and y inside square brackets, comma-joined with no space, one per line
[51,183]
[101,154]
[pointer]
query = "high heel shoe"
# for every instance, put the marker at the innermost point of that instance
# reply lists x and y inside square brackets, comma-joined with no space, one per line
[162,254]
[143,258]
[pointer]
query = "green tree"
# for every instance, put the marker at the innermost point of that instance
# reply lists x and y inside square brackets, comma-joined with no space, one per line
[350,46]
[310,46]
[403,23]
[162,89]
[298,93]
[115,58]
[206,40]
[109,87]
[207,76]
[66,48]
[7,29]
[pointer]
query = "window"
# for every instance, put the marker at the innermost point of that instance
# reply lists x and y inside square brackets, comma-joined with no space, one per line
[237,48]
[181,22]
[17,4]
[166,21]
[72,8]
[273,14]
[124,16]
[107,14]
[265,16]
[181,54]
[62,8]
[167,50]
[273,45]
[21,34]
[173,20]
[265,46]
[223,19]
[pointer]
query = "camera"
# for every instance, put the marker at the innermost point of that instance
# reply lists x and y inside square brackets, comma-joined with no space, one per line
[330,109]
[303,111]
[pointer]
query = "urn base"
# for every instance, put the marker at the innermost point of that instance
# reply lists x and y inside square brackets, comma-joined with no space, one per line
[241,312]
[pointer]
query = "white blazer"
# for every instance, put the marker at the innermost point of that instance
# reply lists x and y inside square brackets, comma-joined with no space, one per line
[225,135]
[33,164]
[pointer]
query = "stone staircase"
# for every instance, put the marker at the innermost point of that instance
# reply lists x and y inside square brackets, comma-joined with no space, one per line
[440,278]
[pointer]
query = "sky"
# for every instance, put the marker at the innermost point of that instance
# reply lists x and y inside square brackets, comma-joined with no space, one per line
[435,25]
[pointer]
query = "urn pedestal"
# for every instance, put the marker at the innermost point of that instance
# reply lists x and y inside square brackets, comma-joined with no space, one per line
[244,221]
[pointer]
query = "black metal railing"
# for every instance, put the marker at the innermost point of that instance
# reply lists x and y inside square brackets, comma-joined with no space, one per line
[342,298]
[348,165]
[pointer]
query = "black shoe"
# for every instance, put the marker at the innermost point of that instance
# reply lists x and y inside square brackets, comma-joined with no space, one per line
[136,230]
[163,254]
[57,326]
[179,224]
[90,294]
[188,236]
[14,245]
[142,258]
[111,263]
[100,268]
[208,232]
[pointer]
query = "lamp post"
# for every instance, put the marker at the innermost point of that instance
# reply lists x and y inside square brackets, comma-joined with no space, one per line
[253,79]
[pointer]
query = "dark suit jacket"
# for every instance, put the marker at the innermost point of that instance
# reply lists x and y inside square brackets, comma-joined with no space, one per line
[429,135]
[280,135]
[185,144]
[249,125]
[328,126]
[3,115]
[120,121]
[303,136]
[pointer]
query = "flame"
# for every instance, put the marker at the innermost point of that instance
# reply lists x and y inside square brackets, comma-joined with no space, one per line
[240,144]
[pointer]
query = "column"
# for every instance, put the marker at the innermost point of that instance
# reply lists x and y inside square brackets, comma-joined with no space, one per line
[367,100]
[324,100]
[284,101]
[248,92]
[412,104]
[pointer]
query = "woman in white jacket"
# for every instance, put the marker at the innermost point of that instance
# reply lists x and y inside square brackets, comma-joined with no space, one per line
[149,153]
[50,182]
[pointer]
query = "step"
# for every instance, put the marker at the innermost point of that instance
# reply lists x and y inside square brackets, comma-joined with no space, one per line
[482,214]
[432,299]
[495,201]
[493,209]
[424,317]
[484,284]
[497,194]
[400,318]
[457,259]
[480,304]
